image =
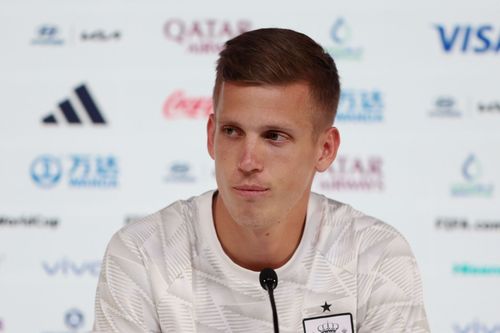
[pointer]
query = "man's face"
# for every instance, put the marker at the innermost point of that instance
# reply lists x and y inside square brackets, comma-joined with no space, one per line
[261,139]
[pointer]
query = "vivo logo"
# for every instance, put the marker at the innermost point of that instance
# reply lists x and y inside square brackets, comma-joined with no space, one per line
[476,327]
[469,39]
[68,267]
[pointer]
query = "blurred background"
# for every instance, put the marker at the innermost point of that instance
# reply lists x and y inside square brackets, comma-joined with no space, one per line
[103,108]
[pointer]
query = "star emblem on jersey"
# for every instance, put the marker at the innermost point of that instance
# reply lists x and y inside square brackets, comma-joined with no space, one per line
[326,307]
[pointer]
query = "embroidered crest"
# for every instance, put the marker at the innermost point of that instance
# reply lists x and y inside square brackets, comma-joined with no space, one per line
[335,323]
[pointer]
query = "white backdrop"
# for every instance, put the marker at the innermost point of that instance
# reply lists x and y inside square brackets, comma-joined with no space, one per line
[419,119]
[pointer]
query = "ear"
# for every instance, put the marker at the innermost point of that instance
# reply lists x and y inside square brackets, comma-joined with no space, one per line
[211,126]
[328,144]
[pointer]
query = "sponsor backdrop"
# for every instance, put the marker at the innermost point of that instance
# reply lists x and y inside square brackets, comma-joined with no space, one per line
[103,109]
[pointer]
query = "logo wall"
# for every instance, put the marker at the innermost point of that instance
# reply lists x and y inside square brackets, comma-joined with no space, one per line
[203,36]
[353,173]
[78,171]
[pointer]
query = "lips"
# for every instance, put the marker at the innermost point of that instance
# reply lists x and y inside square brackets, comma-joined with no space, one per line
[251,191]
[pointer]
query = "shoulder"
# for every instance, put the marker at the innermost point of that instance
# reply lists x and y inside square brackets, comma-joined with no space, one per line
[363,231]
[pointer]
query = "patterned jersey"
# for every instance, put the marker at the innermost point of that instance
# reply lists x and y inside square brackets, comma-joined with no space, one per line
[169,273]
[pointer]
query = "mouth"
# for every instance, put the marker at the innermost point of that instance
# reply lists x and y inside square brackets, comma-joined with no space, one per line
[251,191]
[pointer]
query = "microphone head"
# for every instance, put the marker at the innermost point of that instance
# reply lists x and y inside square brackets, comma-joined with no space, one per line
[268,279]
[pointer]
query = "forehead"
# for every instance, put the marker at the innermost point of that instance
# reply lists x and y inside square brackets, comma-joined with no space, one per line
[290,103]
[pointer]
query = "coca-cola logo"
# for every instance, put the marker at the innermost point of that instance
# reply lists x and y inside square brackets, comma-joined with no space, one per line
[354,173]
[178,105]
[204,36]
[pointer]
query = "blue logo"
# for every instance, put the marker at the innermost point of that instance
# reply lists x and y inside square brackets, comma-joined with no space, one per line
[78,170]
[361,106]
[74,319]
[340,32]
[69,267]
[478,39]
[46,171]
[341,35]
[180,172]
[47,35]
[476,327]
[472,172]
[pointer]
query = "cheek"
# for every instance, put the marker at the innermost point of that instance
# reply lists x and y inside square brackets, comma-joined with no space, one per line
[293,173]
[224,163]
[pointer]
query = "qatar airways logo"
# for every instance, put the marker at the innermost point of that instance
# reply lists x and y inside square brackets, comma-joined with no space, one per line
[179,105]
[354,173]
[204,36]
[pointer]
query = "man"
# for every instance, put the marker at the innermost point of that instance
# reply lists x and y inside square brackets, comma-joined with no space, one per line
[194,266]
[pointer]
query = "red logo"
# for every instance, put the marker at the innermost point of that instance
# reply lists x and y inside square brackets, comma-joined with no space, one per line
[178,105]
[204,36]
[354,173]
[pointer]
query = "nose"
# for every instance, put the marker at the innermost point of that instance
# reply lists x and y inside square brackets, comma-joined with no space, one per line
[250,158]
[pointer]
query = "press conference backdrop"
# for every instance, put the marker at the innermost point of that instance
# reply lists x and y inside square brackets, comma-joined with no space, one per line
[103,110]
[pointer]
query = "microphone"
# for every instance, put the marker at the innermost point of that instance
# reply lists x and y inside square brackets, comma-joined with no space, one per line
[269,281]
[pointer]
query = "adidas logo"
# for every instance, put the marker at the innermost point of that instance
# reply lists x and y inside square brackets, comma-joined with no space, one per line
[83,103]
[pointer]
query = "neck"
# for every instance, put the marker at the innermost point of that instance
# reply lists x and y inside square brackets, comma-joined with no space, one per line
[256,249]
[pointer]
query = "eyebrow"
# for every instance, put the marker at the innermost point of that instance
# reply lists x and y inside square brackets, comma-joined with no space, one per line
[268,127]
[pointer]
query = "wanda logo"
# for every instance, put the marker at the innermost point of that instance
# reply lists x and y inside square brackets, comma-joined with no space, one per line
[178,105]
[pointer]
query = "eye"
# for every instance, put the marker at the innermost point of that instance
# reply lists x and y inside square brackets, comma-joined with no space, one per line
[230,131]
[275,136]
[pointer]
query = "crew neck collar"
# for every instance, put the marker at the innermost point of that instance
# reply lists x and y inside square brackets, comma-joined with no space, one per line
[207,227]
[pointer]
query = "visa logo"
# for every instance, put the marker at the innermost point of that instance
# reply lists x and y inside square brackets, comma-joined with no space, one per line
[69,267]
[476,327]
[469,39]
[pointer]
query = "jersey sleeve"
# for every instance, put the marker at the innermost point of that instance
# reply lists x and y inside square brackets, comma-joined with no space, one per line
[124,301]
[391,298]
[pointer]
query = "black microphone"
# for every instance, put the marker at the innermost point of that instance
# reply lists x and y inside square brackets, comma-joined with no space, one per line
[269,281]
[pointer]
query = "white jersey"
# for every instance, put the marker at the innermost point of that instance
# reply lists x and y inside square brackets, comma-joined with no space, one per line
[169,273]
